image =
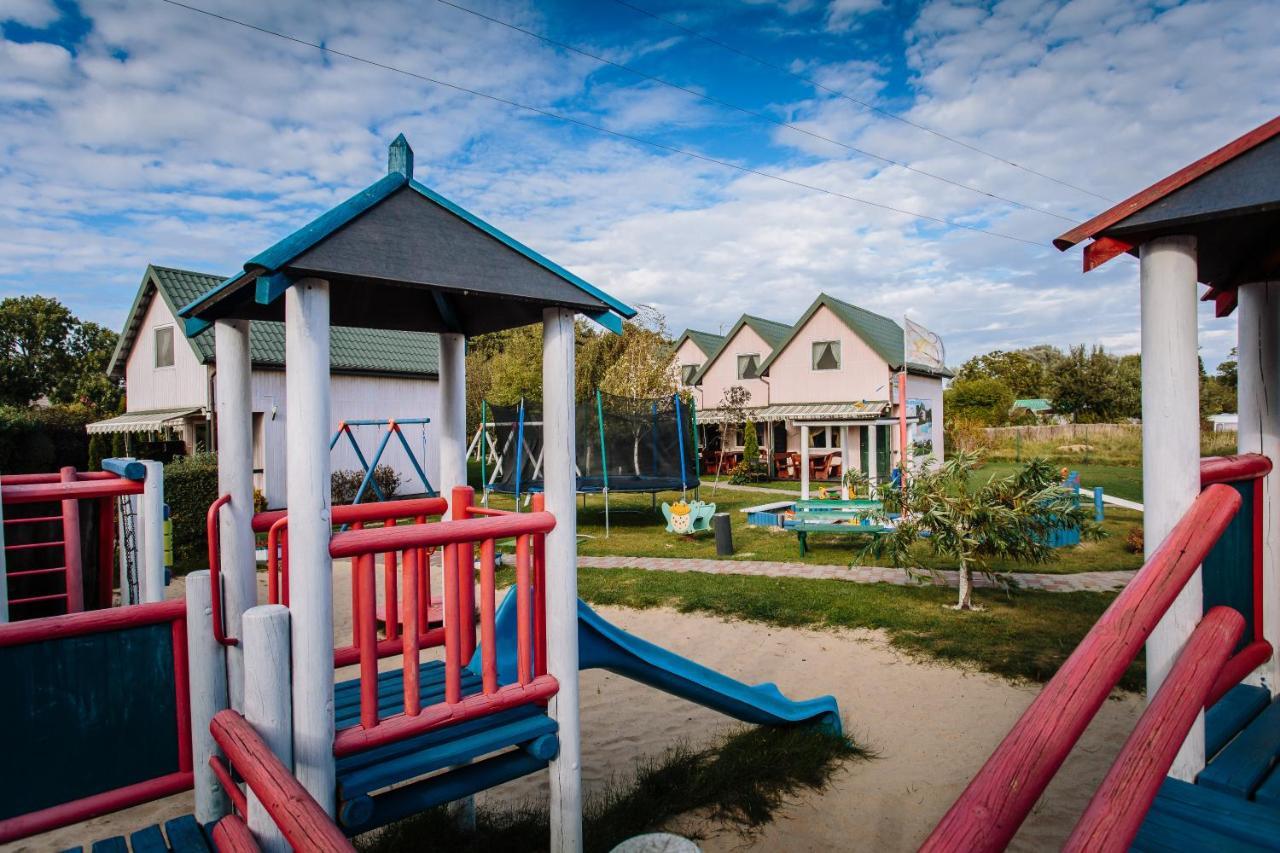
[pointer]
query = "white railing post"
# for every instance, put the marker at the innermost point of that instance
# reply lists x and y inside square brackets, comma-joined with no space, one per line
[1171,447]
[152,524]
[208,675]
[234,404]
[1258,385]
[804,462]
[268,705]
[306,310]
[562,573]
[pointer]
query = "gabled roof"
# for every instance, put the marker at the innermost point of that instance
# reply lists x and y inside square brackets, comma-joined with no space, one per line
[1229,200]
[705,341]
[1034,404]
[880,333]
[770,331]
[400,256]
[351,350]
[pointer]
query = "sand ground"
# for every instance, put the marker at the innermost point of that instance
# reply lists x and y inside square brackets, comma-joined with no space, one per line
[931,726]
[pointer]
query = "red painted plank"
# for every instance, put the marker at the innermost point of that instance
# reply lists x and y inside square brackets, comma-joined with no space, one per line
[398,727]
[1166,185]
[993,806]
[301,820]
[1230,469]
[72,558]
[348,655]
[215,571]
[52,477]
[232,835]
[78,490]
[91,622]
[1244,662]
[75,811]
[239,801]
[1114,815]
[355,542]
[1102,250]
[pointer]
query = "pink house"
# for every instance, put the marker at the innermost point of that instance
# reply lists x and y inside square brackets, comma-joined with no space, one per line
[823,390]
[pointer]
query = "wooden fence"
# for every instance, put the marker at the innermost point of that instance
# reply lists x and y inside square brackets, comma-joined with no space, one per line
[1062,432]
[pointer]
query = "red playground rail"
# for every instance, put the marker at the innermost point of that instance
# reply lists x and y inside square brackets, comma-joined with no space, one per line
[996,802]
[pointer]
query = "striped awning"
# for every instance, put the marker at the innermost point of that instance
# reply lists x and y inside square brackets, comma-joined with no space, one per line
[861,410]
[152,421]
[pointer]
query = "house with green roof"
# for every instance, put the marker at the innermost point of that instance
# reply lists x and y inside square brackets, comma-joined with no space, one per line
[824,387]
[168,368]
[692,349]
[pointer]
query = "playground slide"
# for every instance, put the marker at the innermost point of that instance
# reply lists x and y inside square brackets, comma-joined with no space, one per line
[603,645]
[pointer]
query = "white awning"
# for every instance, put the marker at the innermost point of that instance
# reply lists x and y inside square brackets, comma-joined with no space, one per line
[152,421]
[861,410]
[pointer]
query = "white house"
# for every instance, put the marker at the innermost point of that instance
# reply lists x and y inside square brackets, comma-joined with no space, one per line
[375,375]
[828,382]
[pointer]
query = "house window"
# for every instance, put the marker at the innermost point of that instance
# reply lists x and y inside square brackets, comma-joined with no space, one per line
[826,355]
[687,372]
[749,366]
[164,346]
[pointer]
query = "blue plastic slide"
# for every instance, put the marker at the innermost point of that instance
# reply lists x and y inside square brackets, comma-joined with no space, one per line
[605,646]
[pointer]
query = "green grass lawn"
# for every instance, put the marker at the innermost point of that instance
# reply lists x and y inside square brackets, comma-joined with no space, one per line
[637,530]
[1122,481]
[1024,635]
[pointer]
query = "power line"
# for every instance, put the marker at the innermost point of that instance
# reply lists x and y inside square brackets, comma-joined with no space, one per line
[587,125]
[864,104]
[753,113]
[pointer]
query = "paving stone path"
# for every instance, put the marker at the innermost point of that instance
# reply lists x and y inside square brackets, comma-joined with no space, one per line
[1079,582]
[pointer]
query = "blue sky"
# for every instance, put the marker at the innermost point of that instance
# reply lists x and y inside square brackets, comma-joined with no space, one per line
[134,131]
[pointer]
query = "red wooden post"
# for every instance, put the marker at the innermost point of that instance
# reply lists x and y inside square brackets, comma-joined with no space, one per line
[539,504]
[182,692]
[284,567]
[106,549]
[424,581]
[367,631]
[1120,804]
[215,572]
[464,554]
[390,594]
[274,593]
[1258,546]
[412,634]
[71,546]
[488,633]
[355,594]
[524,616]
[452,662]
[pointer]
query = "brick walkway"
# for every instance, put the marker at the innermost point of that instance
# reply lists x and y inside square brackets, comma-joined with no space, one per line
[1081,581]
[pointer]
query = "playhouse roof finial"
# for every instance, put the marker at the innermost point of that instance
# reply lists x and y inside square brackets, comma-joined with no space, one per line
[400,157]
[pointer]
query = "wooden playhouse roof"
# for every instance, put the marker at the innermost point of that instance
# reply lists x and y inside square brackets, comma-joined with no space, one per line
[1229,200]
[401,256]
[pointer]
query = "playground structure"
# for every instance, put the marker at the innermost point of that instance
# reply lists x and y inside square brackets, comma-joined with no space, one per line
[234,690]
[1198,771]
[622,445]
[367,467]
[59,537]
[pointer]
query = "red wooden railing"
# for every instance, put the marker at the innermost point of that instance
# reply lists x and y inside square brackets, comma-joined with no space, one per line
[301,820]
[64,490]
[459,539]
[998,799]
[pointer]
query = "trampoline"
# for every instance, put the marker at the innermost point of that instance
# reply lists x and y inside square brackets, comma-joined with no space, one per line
[623,445]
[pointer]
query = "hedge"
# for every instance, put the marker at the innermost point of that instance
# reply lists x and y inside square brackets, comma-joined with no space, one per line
[190,486]
[36,441]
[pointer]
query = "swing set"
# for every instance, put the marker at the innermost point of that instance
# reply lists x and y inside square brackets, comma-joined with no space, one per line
[391,427]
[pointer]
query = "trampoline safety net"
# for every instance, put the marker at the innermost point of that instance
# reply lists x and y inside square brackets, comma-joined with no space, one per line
[623,445]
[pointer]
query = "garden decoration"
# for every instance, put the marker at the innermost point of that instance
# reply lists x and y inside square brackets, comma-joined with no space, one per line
[688,517]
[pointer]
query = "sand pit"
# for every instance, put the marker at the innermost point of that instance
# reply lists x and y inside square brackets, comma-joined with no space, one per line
[931,725]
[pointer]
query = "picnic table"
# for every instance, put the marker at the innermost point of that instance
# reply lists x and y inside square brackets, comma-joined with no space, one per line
[848,518]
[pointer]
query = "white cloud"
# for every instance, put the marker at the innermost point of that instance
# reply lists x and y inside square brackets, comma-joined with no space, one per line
[845,15]
[32,13]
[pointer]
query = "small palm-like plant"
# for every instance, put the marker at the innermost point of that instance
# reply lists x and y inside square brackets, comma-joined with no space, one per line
[1006,518]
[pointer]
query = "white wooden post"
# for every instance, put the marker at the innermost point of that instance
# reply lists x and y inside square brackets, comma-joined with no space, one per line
[4,572]
[1258,319]
[873,453]
[451,431]
[152,532]
[306,310]
[846,459]
[208,668]
[267,703]
[1171,447]
[234,404]
[560,484]
[804,462]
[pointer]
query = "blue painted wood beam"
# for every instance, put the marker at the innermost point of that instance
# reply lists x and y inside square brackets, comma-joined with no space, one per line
[447,312]
[269,288]
[608,320]
[194,326]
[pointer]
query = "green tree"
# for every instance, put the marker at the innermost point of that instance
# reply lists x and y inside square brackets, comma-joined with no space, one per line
[1006,518]
[1090,386]
[1228,370]
[984,400]
[45,351]
[1020,372]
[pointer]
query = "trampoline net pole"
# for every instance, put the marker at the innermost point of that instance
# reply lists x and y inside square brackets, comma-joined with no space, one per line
[604,461]
[484,452]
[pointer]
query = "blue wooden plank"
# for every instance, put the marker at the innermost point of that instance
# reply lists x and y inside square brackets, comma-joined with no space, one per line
[1268,792]
[186,836]
[1242,764]
[1248,821]
[116,844]
[149,840]
[1165,832]
[392,701]
[1230,714]
[448,753]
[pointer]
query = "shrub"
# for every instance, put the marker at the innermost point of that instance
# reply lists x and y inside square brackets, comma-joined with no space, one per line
[34,441]
[190,486]
[344,484]
[1133,540]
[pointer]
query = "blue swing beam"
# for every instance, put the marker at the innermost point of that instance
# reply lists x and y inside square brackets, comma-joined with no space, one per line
[392,428]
